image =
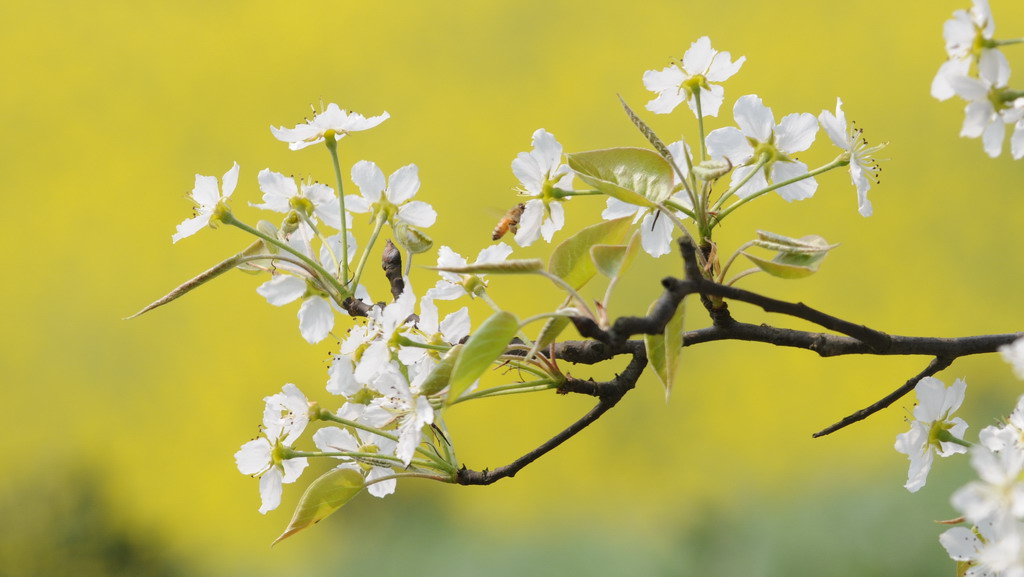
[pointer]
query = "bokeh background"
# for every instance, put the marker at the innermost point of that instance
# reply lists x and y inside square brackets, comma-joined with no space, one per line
[119,436]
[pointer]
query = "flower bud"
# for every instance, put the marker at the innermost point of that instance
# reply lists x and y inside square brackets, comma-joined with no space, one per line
[712,169]
[412,239]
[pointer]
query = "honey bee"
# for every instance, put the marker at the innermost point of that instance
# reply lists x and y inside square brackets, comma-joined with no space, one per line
[509,222]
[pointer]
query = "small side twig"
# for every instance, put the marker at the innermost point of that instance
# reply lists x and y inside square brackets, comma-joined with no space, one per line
[937,364]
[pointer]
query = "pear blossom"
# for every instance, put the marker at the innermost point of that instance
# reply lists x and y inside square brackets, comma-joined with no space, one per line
[991,550]
[378,343]
[999,491]
[333,122]
[863,168]
[1013,353]
[286,414]
[968,36]
[540,172]
[392,196]
[987,113]
[207,196]
[316,314]
[655,229]
[334,439]
[430,330]
[316,200]
[285,417]
[701,65]
[932,428]
[453,285]
[758,139]
[409,410]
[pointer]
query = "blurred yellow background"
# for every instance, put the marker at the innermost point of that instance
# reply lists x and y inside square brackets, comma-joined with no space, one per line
[120,435]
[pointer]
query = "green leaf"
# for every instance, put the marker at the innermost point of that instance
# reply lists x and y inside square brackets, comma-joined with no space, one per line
[483,348]
[634,175]
[608,258]
[571,261]
[441,374]
[612,259]
[664,350]
[504,267]
[789,265]
[324,496]
[551,330]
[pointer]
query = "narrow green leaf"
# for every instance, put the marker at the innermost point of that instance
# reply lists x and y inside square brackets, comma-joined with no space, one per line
[571,259]
[505,267]
[664,350]
[483,347]
[441,374]
[550,331]
[789,265]
[634,175]
[324,496]
[194,283]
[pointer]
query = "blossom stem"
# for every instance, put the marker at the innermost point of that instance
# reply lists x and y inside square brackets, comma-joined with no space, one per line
[947,437]
[407,342]
[443,479]
[332,146]
[700,124]
[514,388]
[342,292]
[366,250]
[558,281]
[760,163]
[515,361]
[1007,42]
[326,415]
[676,206]
[745,273]
[728,263]
[558,193]
[834,164]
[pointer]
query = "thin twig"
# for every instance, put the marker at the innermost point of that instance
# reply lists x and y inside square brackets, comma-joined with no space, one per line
[937,364]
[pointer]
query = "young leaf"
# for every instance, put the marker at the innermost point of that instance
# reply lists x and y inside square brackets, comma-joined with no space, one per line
[612,259]
[505,267]
[196,282]
[324,496]
[483,347]
[664,350]
[551,330]
[633,175]
[789,265]
[571,259]
[441,374]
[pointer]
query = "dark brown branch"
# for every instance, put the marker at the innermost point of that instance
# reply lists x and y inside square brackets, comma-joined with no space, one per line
[933,367]
[608,393]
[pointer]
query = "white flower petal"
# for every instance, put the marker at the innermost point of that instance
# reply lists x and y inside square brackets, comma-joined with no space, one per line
[554,222]
[754,118]
[270,490]
[316,319]
[282,289]
[341,377]
[731,143]
[800,190]
[418,213]
[796,132]
[370,180]
[530,223]
[404,184]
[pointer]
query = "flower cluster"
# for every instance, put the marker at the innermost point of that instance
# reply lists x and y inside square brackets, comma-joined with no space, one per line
[978,72]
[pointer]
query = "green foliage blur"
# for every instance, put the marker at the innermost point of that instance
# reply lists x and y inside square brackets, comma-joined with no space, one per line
[120,435]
